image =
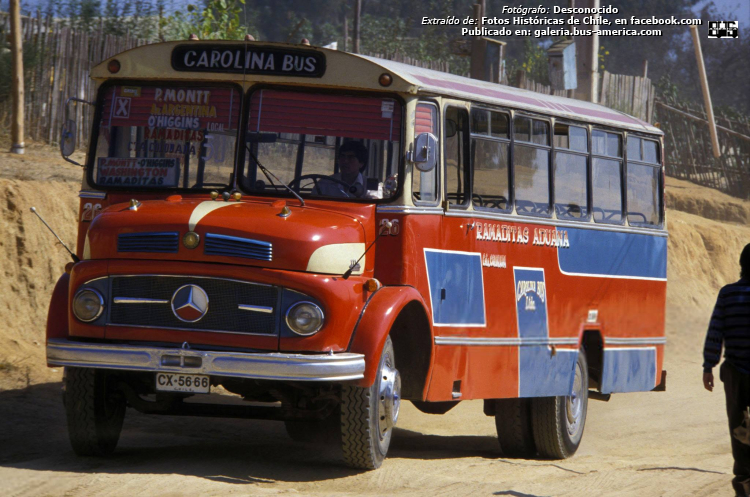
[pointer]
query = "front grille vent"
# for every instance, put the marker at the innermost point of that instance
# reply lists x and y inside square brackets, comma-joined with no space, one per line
[163,242]
[231,246]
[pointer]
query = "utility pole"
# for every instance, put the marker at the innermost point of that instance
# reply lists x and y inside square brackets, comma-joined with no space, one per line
[346,33]
[478,45]
[706,93]
[587,59]
[357,13]
[16,48]
[572,92]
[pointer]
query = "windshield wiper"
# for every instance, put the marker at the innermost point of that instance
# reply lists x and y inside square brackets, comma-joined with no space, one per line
[266,172]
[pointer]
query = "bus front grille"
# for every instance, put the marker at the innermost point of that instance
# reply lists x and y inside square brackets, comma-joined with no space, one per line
[148,301]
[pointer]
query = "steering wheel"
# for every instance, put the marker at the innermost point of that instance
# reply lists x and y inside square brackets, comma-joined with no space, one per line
[321,177]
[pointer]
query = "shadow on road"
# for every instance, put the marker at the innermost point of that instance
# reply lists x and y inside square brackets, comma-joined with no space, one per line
[513,493]
[33,436]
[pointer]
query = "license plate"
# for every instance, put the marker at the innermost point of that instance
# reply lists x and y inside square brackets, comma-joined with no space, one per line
[175,382]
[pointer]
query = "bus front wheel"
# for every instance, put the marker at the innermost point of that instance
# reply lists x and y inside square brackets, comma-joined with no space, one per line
[95,410]
[558,422]
[368,415]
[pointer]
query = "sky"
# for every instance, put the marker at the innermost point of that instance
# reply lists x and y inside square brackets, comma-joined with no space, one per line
[735,10]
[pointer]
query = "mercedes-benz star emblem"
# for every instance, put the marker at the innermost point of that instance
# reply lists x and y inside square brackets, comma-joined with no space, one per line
[190,303]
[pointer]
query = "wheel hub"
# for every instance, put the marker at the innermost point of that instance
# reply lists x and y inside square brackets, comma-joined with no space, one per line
[574,404]
[390,398]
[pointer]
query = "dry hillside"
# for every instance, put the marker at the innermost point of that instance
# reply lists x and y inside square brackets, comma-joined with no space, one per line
[30,257]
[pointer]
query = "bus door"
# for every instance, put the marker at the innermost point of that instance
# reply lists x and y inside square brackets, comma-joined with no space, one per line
[472,357]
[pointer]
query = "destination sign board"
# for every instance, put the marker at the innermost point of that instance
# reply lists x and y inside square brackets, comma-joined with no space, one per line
[248,59]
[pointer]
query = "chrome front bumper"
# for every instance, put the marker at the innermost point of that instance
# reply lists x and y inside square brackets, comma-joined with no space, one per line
[260,366]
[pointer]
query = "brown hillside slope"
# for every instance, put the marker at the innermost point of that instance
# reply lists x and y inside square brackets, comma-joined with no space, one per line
[707,231]
[31,259]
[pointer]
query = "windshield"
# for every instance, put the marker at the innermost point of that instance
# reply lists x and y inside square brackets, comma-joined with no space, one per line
[323,145]
[167,136]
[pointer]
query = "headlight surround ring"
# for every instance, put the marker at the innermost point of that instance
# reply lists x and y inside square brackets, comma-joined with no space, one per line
[305,318]
[84,311]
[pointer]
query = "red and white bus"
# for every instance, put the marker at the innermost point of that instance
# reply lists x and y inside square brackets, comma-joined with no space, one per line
[325,234]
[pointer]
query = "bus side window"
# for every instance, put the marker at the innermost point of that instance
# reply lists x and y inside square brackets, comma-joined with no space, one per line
[490,147]
[571,172]
[607,177]
[455,153]
[424,184]
[643,182]
[531,166]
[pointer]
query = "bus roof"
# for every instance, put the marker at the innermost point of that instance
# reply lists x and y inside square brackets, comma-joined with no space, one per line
[347,70]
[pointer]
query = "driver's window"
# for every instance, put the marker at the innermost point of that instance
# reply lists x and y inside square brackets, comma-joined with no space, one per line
[456,154]
[425,183]
[322,144]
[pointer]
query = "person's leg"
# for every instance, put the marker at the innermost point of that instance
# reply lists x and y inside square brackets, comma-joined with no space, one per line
[737,390]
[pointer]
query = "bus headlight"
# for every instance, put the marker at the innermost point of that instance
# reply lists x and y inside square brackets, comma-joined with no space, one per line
[304,318]
[88,304]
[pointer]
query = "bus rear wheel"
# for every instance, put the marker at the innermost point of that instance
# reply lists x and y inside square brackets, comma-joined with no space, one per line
[368,415]
[513,424]
[558,422]
[95,410]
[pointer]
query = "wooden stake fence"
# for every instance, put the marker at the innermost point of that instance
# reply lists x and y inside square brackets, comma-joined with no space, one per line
[689,153]
[58,62]
[629,94]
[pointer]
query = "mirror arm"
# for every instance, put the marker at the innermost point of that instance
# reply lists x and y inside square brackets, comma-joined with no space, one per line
[75,99]
[409,156]
[72,161]
[67,104]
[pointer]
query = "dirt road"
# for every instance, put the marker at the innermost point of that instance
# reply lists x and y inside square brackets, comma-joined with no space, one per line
[672,443]
[644,444]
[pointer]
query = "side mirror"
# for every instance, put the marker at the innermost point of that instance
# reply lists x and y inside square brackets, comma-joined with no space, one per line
[68,138]
[451,128]
[425,152]
[68,133]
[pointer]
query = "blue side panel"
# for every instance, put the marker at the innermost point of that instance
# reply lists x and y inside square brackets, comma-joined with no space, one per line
[629,370]
[531,303]
[545,375]
[541,374]
[456,288]
[609,253]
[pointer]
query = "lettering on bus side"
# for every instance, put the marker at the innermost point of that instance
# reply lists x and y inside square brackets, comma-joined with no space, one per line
[549,237]
[250,59]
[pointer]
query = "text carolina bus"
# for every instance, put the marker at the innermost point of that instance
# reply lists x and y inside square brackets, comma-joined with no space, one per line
[325,234]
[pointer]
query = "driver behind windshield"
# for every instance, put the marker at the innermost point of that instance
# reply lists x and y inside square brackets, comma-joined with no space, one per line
[349,182]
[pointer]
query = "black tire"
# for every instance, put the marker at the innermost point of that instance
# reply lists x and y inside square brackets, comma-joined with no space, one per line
[364,442]
[513,424]
[95,410]
[558,422]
